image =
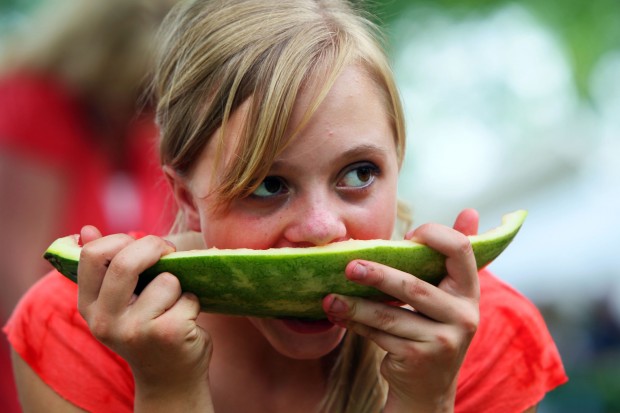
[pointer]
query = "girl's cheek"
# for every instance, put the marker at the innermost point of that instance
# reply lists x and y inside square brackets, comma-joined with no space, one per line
[240,232]
[374,222]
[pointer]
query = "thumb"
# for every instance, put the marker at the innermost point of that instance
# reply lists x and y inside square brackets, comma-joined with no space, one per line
[467,222]
[89,233]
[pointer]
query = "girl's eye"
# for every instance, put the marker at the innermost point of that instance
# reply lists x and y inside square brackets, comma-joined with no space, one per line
[359,176]
[271,186]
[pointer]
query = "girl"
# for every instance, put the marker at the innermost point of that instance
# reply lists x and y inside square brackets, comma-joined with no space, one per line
[280,127]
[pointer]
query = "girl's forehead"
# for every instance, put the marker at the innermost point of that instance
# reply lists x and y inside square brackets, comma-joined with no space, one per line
[352,114]
[221,148]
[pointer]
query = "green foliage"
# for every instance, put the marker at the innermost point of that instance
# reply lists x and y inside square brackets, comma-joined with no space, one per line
[11,11]
[586,29]
[17,5]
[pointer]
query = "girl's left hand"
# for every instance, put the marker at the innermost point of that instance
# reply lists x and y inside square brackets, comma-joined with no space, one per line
[425,344]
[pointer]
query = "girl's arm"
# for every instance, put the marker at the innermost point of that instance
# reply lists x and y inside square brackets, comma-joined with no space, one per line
[34,395]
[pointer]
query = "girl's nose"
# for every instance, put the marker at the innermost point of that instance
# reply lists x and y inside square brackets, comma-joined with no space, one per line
[317,224]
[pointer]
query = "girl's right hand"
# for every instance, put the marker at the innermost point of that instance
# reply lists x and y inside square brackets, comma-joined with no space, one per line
[425,341]
[155,332]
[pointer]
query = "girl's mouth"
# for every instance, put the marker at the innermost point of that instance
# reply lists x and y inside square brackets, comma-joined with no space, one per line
[305,326]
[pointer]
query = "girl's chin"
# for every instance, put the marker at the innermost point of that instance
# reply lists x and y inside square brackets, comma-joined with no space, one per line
[300,339]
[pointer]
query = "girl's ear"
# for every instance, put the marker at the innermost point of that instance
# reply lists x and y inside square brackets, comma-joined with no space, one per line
[184,198]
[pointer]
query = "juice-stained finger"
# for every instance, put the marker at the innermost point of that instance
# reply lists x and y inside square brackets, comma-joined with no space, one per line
[396,321]
[121,278]
[426,298]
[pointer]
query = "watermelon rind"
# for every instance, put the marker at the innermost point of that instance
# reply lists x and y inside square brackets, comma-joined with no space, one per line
[291,282]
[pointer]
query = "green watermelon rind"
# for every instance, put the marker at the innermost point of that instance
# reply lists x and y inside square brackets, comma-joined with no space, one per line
[291,282]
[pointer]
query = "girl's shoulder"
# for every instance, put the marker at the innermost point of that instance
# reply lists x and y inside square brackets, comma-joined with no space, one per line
[512,361]
[49,334]
[497,294]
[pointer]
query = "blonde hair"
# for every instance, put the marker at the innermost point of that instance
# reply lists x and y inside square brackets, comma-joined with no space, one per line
[100,49]
[218,54]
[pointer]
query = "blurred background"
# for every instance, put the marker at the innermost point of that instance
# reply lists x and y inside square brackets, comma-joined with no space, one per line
[78,142]
[516,105]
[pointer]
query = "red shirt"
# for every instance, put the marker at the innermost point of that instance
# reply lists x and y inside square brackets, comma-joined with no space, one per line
[510,366]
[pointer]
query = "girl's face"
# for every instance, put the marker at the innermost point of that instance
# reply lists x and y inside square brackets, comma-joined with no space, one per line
[337,180]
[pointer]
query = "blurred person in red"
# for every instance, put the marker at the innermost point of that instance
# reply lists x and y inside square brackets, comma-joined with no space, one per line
[74,125]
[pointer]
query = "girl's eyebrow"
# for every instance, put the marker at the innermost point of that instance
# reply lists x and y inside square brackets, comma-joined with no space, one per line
[364,150]
[361,150]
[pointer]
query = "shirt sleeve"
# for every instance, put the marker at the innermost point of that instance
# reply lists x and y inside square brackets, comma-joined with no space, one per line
[50,335]
[512,361]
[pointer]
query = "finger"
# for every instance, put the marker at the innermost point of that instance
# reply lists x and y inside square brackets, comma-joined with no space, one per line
[121,278]
[467,222]
[178,322]
[388,342]
[396,321]
[187,307]
[424,297]
[158,296]
[462,277]
[95,257]
[88,234]
[383,337]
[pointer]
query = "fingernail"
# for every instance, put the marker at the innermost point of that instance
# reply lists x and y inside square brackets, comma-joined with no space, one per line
[338,306]
[358,271]
[171,244]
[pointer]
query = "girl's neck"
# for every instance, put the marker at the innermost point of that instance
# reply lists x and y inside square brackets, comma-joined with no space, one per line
[248,375]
